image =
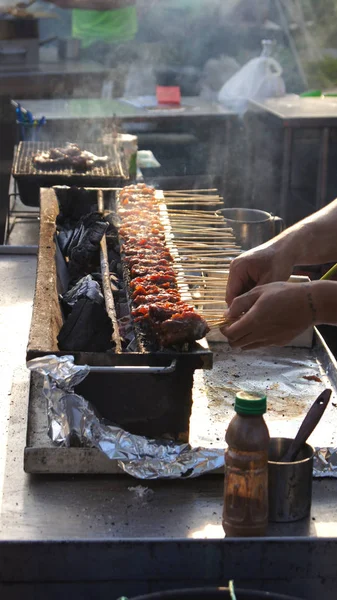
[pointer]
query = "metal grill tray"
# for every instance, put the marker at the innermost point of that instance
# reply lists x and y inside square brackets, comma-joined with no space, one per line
[156,400]
[30,179]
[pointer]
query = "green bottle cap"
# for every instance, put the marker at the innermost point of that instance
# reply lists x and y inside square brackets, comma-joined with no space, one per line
[250,403]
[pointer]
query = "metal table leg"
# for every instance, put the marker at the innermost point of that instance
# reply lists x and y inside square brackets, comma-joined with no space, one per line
[286,172]
[322,176]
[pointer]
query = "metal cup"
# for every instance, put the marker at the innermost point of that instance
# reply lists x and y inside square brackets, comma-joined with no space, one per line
[290,484]
[251,227]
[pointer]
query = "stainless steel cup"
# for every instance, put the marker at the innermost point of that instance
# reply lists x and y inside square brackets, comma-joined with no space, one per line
[251,227]
[290,484]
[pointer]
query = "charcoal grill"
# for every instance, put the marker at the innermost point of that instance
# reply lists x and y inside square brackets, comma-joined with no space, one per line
[30,179]
[146,392]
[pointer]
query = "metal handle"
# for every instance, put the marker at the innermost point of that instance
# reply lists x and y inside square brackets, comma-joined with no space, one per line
[48,40]
[142,369]
[311,420]
[278,224]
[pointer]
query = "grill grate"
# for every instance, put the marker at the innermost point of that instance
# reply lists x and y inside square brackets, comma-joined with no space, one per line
[23,163]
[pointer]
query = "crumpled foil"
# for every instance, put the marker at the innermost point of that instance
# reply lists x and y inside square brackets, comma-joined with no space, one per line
[325,462]
[73,422]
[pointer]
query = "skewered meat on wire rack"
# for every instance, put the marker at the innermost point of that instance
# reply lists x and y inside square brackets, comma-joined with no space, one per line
[70,156]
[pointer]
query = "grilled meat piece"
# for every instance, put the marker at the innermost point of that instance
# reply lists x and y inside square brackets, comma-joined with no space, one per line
[160,279]
[148,253]
[139,271]
[182,328]
[148,289]
[135,261]
[162,296]
[171,324]
[69,157]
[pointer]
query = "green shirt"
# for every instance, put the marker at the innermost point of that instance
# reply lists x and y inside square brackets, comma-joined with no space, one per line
[119,25]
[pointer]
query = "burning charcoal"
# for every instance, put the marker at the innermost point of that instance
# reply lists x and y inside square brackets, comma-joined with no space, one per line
[87,329]
[74,203]
[64,238]
[84,251]
[112,241]
[85,288]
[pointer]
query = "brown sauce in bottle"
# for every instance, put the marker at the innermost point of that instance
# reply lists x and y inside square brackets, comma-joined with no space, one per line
[245,511]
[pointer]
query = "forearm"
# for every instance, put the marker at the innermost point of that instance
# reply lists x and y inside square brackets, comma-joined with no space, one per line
[322,299]
[313,240]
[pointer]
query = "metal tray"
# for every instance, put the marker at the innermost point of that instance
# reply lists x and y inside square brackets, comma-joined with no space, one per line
[280,372]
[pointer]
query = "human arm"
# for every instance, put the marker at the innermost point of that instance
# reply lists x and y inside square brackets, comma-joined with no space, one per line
[311,241]
[274,314]
[93,4]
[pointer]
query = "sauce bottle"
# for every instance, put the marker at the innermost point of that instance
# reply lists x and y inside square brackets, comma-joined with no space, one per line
[245,510]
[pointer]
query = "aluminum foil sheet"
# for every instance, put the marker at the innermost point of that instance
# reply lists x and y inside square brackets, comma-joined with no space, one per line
[291,377]
[72,422]
[325,462]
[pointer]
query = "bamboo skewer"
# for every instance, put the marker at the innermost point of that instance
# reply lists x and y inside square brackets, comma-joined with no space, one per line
[200,215]
[189,199]
[194,191]
[184,202]
[196,235]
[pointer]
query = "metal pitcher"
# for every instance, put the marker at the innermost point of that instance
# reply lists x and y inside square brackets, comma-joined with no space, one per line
[251,227]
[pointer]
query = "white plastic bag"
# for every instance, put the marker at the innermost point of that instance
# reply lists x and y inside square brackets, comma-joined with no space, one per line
[215,73]
[259,79]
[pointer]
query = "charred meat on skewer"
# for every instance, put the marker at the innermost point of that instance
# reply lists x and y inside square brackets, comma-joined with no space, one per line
[70,157]
[157,304]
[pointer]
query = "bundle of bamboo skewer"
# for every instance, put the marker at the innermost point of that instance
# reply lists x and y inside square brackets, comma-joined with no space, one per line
[203,248]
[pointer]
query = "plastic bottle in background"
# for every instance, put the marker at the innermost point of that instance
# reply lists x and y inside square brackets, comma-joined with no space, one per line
[245,510]
[260,78]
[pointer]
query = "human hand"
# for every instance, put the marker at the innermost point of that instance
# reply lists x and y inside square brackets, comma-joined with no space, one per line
[270,315]
[264,264]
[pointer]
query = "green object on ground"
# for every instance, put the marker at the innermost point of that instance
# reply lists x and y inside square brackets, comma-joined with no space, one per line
[110,26]
[311,94]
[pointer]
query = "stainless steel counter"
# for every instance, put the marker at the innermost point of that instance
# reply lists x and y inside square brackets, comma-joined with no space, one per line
[94,537]
[300,112]
[91,108]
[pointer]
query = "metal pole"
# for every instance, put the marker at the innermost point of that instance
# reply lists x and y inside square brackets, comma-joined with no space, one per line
[285,27]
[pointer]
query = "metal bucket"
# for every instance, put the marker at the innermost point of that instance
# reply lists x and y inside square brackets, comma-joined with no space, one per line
[290,484]
[214,594]
[251,227]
